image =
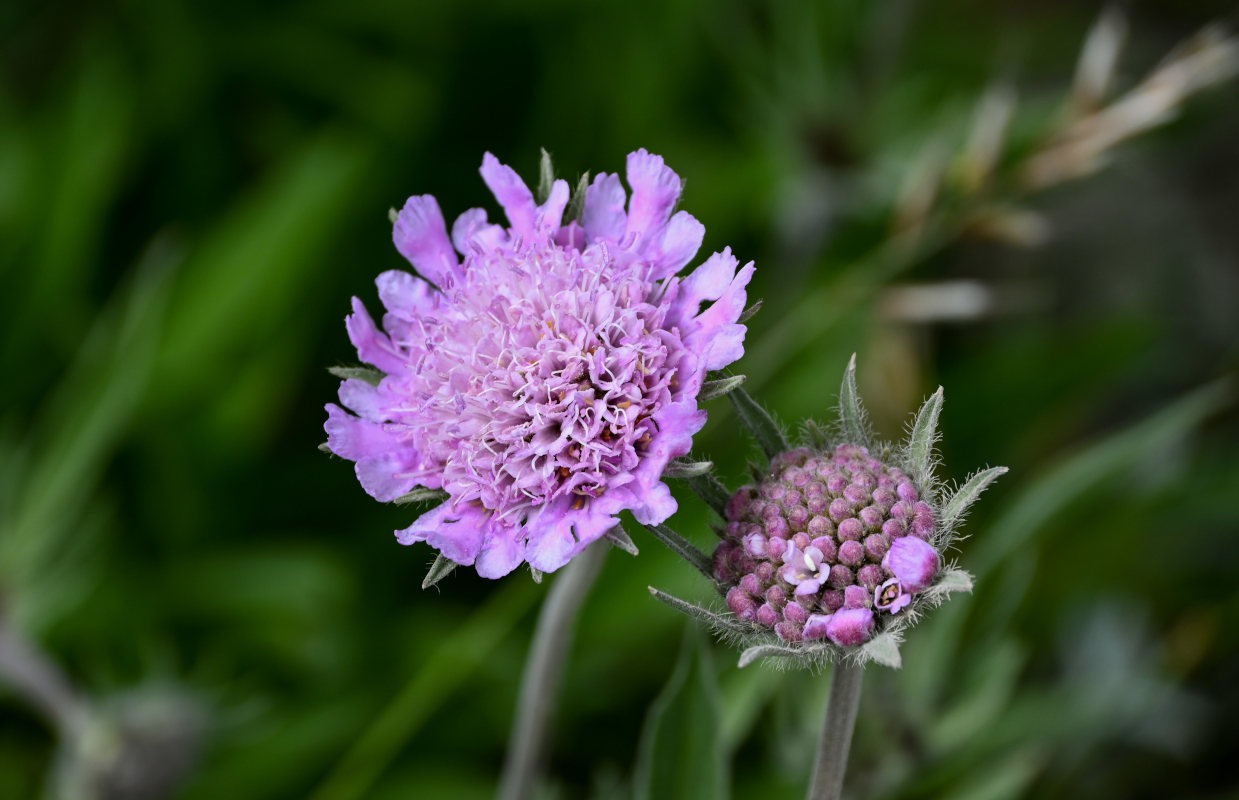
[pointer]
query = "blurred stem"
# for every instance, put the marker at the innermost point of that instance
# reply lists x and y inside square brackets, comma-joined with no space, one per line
[832,750]
[543,668]
[33,675]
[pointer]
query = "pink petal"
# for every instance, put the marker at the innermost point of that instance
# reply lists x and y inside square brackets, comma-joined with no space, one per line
[512,194]
[503,550]
[404,295]
[372,346]
[655,188]
[674,246]
[355,438]
[551,213]
[720,337]
[388,475]
[420,235]
[603,216]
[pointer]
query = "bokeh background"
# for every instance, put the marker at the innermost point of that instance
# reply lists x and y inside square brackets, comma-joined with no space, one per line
[190,192]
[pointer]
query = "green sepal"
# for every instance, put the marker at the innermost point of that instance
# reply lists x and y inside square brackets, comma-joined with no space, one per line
[683,548]
[439,570]
[370,376]
[421,495]
[717,388]
[924,435]
[765,430]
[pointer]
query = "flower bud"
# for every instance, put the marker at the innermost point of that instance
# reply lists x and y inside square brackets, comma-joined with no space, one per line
[848,627]
[914,562]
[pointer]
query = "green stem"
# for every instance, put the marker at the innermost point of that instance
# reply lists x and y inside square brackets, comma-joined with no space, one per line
[832,750]
[33,675]
[543,668]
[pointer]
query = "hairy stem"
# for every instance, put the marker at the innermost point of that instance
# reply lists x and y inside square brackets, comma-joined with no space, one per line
[34,676]
[832,750]
[543,667]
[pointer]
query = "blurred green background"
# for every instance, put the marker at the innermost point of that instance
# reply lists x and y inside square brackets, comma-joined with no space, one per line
[191,191]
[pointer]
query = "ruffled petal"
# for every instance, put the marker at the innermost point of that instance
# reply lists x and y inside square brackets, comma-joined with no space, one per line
[405,296]
[503,550]
[363,399]
[512,194]
[372,346]
[388,475]
[420,235]
[602,215]
[457,533]
[707,282]
[355,438]
[551,213]
[674,245]
[655,188]
[558,532]
[655,504]
[718,338]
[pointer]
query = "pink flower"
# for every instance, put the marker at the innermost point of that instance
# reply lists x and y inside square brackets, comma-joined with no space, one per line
[545,380]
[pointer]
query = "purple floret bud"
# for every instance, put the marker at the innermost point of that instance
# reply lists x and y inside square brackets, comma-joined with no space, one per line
[841,576]
[741,604]
[851,529]
[750,584]
[851,553]
[849,627]
[794,612]
[815,628]
[832,599]
[767,615]
[776,596]
[788,632]
[914,562]
[855,597]
[870,576]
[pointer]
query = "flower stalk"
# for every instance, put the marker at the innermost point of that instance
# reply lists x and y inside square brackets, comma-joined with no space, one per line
[543,668]
[831,762]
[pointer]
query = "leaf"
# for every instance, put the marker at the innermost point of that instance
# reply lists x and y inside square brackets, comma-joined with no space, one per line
[817,436]
[766,651]
[716,621]
[681,754]
[421,495]
[439,570]
[393,216]
[683,548]
[852,417]
[370,376]
[884,650]
[717,388]
[620,538]
[924,435]
[765,430]
[577,203]
[952,580]
[546,176]
[536,574]
[710,490]
[968,494]
[683,468]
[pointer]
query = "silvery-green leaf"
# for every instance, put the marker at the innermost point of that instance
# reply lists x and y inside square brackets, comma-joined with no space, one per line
[683,468]
[370,376]
[421,495]
[968,493]
[851,413]
[712,491]
[717,388]
[546,176]
[700,614]
[324,448]
[577,203]
[952,580]
[683,548]
[536,574]
[393,215]
[766,651]
[765,430]
[750,311]
[620,538]
[818,438]
[439,570]
[924,435]
[883,649]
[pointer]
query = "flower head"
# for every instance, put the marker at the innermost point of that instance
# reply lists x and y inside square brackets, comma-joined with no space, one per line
[838,546]
[545,376]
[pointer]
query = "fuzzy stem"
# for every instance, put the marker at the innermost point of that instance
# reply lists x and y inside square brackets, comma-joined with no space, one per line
[543,667]
[34,676]
[832,750]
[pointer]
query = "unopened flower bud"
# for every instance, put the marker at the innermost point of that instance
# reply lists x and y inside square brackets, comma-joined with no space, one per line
[914,562]
[850,626]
